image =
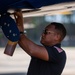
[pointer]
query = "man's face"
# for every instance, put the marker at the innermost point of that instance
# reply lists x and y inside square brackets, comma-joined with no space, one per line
[49,35]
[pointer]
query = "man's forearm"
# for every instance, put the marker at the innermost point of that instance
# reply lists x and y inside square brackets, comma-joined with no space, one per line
[26,44]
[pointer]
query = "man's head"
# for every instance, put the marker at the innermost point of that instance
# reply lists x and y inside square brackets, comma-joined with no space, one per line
[54,33]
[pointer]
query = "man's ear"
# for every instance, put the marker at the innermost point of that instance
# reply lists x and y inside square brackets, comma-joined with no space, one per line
[57,37]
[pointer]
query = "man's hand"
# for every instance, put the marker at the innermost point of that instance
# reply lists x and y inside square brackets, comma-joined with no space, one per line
[19,20]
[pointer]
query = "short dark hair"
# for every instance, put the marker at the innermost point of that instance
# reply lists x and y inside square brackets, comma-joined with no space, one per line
[60,27]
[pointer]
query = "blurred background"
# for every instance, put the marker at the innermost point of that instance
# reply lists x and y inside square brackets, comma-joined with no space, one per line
[19,62]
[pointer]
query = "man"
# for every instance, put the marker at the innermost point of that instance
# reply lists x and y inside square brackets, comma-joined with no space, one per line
[48,59]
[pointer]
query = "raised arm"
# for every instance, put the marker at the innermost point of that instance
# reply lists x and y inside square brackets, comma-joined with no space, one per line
[27,45]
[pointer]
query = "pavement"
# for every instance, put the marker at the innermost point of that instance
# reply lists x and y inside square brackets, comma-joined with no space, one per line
[19,62]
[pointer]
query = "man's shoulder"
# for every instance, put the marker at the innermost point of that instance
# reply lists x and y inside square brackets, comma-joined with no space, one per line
[58,49]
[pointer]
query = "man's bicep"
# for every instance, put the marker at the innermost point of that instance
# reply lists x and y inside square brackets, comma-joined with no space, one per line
[41,53]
